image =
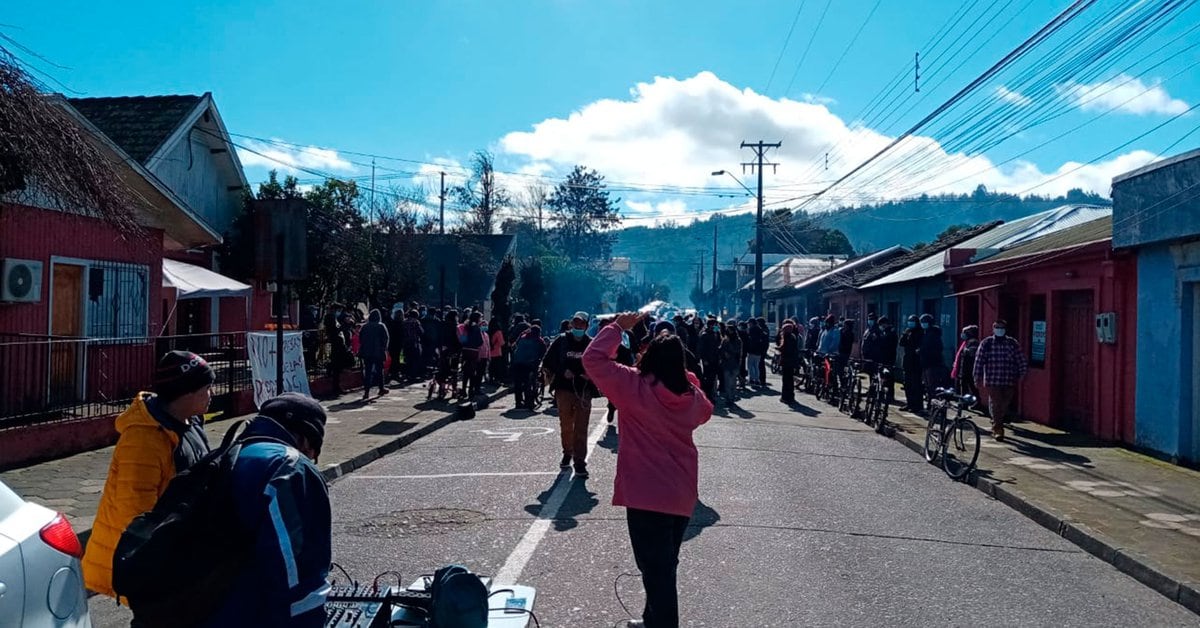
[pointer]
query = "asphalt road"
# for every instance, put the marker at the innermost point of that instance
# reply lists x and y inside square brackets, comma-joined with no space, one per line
[806,519]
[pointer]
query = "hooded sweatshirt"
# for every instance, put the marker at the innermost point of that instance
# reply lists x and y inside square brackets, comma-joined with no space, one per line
[147,456]
[657,462]
[373,339]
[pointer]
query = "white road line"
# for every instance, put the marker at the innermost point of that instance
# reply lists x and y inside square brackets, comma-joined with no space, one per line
[520,556]
[450,475]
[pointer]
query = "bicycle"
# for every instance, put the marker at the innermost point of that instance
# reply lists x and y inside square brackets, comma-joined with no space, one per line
[955,440]
[852,387]
[876,410]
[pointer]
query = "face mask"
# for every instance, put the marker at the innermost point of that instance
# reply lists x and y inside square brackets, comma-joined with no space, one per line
[999,331]
[924,325]
[483,327]
[911,324]
[578,333]
[625,340]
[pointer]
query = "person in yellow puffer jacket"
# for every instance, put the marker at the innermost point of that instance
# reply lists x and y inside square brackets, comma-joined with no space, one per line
[161,434]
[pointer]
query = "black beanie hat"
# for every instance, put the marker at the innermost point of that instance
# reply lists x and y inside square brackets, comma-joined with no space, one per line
[298,413]
[180,373]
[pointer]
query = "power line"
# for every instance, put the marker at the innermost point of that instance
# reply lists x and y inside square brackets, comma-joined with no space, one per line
[782,50]
[803,56]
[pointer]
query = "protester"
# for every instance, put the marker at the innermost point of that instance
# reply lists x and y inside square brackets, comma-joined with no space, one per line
[397,339]
[573,390]
[756,351]
[281,503]
[497,367]
[999,367]
[914,390]
[812,339]
[882,340]
[624,356]
[337,334]
[709,353]
[475,352]
[431,326]
[789,358]
[932,352]
[731,363]
[527,353]
[872,343]
[657,479]
[372,350]
[963,373]
[846,339]
[743,332]
[414,332]
[160,435]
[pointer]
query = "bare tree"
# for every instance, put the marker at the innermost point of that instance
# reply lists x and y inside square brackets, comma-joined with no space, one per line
[46,157]
[533,204]
[482,196]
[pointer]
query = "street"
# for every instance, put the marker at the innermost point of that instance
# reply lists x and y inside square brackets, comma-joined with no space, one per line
[806,518]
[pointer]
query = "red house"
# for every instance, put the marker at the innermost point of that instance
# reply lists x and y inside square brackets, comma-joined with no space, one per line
[1072,303]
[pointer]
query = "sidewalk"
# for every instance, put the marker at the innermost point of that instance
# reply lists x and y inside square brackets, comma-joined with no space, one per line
[1140,514]
[357,433]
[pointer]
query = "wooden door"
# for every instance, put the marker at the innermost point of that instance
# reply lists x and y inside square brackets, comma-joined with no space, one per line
[1074,360]
[66,321]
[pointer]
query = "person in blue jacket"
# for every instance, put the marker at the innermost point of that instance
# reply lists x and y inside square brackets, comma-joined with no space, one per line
[281,501]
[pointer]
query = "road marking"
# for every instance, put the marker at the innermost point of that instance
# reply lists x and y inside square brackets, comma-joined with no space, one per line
[520,555]
[513,434]
[451,475]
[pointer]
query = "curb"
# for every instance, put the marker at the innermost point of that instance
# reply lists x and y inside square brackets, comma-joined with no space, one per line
[1186,594]
[335,472]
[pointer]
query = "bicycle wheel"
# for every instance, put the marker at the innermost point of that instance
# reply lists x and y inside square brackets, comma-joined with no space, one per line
[960,448]
[856,399]
[934,433]
[881,411]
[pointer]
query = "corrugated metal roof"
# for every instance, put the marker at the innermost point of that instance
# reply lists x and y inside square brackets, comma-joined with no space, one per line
[1093,231]
[1003,236]
[847,267]
[793,269]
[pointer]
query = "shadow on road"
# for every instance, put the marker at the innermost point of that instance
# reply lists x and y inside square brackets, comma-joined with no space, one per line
[702,517]
[518,414]
[579,501]
[609,441]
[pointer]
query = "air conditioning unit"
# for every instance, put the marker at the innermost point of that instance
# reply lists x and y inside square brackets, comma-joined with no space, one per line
[21,281]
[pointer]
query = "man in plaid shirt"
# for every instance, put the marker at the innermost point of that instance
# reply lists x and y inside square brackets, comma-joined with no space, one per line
[999,367]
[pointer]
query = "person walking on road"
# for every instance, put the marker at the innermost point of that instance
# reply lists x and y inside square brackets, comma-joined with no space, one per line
[731,364]
[963,372]
[756,352]
[373,343]
[999,367]
[573,390]
[161,435]
[710,357]
[527,353]
[657,479]
[914,391]
[789,358]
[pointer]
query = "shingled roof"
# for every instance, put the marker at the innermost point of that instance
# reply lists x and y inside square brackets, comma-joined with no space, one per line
[138,124]
[934,248]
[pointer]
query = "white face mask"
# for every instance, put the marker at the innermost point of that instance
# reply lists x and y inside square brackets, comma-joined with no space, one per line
[999,331]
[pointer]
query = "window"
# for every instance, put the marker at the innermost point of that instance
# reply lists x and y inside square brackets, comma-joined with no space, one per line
[1037,331]
[117,304]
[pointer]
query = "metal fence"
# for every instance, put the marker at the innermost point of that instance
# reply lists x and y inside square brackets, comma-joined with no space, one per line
[45,378]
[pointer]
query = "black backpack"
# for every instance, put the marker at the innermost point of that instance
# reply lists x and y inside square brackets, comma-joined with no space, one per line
[174,564]
[459,599]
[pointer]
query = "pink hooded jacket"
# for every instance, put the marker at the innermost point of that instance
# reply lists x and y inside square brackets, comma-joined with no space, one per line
[657,462]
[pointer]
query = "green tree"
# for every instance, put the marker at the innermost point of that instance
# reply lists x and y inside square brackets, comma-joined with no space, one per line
[505,278]
[584,216]
[339,250]
[482,196]
[532,287]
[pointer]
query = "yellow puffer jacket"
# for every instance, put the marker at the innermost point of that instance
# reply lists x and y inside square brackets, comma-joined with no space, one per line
[142,466]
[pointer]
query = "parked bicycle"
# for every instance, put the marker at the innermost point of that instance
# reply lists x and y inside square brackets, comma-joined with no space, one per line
[851,400]
[875,404]
[955,440]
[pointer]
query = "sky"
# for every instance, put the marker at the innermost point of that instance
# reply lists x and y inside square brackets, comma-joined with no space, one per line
[658,95]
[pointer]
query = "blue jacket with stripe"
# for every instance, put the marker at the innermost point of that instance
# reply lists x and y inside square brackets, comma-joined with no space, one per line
[282,502]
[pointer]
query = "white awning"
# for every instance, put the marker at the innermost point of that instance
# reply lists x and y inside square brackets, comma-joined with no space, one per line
[195,282]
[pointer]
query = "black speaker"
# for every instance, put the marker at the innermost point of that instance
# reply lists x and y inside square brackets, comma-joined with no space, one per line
[281,217]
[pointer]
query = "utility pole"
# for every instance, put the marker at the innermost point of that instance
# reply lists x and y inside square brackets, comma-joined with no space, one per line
[442,207]
[760,150]
[701,282]
[372,185]
[714,278]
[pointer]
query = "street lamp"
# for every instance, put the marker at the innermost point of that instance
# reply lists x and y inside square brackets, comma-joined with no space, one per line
[758,246]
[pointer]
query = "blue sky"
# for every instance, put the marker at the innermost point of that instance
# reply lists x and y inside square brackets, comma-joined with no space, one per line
[647,92]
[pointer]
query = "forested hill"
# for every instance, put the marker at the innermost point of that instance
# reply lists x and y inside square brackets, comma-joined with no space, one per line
[671,253]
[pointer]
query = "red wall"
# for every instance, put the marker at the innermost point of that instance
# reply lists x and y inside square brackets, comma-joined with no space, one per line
[37,234]
[1112,279]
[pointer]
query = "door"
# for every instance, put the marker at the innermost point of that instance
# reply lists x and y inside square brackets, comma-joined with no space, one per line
[1074,360]
[66,320]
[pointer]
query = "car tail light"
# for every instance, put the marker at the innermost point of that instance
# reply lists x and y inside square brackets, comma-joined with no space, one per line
[59,535]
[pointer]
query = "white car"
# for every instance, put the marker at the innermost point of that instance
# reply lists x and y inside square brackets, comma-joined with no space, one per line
[41,581]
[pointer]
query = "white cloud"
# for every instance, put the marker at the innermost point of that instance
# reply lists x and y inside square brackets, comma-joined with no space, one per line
[677,131]
[817,99]
[1124,93]
[292,159]
[1016,98]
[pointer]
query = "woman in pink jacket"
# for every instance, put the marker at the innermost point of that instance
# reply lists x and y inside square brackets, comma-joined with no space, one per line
[657,480]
